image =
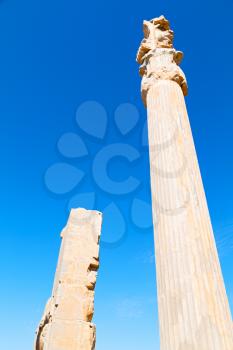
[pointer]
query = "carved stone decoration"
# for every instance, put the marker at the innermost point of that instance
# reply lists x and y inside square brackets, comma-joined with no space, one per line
[157,58]
[194,312]
[67,321]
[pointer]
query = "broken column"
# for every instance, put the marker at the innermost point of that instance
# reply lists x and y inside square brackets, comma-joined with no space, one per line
[67,321]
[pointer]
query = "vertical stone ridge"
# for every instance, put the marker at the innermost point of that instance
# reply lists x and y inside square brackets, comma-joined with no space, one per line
[67,320]
[194,313]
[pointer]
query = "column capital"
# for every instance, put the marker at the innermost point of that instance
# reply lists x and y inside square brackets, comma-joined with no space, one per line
[158,58]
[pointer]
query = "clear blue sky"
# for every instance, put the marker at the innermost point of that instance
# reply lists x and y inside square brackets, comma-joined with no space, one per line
[55,56]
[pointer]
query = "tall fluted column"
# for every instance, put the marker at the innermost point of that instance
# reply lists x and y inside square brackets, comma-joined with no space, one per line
[194,313]
[66,324]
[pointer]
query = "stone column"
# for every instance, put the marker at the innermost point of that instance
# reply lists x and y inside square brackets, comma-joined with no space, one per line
[66,324]
[194,313]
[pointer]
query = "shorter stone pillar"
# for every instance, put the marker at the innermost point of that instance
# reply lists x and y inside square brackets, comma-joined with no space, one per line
[66,324]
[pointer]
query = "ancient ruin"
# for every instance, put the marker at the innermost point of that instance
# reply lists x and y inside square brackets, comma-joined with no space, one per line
[194,313]
[66,324]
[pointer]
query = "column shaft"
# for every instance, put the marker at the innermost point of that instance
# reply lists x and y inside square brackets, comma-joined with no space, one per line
[193,307]
[66,324]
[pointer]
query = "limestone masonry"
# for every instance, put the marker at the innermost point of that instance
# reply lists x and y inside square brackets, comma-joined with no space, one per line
[193,308]
[66,324]
[194,313]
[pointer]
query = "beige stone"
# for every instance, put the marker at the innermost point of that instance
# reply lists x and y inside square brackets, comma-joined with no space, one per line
[157,57]
[194,313]
[66,324]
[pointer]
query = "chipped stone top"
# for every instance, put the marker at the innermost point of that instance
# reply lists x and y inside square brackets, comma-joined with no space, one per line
[67,321]
[157,57]
[157,34]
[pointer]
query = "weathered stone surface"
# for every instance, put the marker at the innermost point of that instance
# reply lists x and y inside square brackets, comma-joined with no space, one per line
[194,312]
[157,57]
[66,324]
